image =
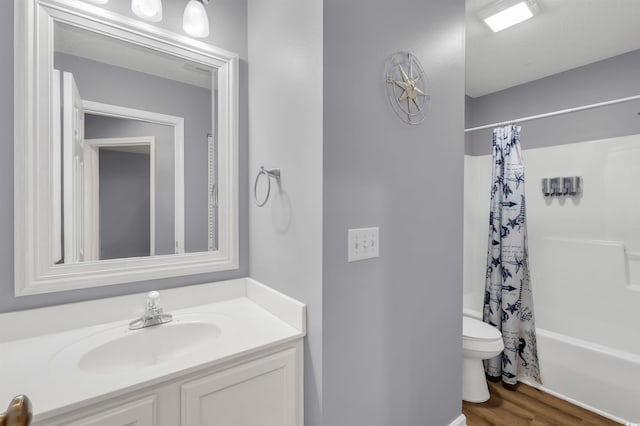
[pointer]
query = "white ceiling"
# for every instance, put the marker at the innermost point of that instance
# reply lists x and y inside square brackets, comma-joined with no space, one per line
[78,42]
[565,34]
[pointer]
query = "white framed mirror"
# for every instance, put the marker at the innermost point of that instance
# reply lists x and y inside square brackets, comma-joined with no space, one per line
[126,140]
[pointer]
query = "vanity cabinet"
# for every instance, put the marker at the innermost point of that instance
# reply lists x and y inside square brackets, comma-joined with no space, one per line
[258,393]
[264,389]
[232,356]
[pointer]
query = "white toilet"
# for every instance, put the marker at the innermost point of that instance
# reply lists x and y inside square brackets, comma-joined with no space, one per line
[479,341]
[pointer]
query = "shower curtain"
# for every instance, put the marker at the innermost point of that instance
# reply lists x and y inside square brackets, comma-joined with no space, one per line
[508,303]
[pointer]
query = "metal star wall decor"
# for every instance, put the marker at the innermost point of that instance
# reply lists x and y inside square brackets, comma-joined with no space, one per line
[407,87]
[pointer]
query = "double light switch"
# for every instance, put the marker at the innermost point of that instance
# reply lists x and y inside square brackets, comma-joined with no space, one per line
[363,243]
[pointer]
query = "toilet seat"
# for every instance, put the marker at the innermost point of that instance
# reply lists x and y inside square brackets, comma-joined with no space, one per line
[473,329]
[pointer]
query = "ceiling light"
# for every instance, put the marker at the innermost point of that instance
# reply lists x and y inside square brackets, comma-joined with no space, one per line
[149,10]
[506,13]
[99,1]
[195,21]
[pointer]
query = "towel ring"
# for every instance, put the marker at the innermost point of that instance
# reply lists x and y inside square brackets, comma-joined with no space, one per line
[269,173]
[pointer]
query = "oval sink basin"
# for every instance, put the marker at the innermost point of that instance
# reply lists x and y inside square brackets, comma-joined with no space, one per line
[149,346]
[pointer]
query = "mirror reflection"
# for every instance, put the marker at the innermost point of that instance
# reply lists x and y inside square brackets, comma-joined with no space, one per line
[130,118]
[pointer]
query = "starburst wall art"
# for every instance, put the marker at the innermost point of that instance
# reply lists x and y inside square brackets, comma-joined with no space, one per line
[407,87]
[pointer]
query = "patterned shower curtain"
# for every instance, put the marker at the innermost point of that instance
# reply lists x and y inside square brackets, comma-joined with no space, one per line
[508,302]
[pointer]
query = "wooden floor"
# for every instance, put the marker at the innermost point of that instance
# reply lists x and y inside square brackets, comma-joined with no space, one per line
[528,406]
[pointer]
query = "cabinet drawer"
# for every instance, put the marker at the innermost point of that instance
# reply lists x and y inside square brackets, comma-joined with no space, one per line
[140,412]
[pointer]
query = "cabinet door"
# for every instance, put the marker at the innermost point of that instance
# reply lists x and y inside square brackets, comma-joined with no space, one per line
[137,413]
[263,392]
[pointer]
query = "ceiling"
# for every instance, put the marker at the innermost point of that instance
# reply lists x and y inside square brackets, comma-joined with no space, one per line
[565,34]
[86,44]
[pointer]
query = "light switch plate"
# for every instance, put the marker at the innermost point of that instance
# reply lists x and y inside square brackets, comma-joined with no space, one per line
[363,243]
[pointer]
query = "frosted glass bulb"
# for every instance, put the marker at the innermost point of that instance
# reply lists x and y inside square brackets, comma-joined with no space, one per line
[195,21]
[149,10]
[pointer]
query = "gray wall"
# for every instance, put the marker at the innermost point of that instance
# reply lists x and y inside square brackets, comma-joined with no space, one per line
[98,127]
[601,81]
[392,325]
[285,124]
[229,31]
[384,335]
[124,204]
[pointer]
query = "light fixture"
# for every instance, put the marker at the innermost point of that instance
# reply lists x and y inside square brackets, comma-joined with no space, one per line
[506,13]
[195,21]
[149,10]
[98,1]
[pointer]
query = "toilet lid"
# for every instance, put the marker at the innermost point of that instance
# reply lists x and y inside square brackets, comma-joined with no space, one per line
[478,330]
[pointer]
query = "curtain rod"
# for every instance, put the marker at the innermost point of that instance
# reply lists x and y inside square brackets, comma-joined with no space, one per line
[554,113]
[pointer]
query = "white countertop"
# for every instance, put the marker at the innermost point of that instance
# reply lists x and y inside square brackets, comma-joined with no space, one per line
[44,367]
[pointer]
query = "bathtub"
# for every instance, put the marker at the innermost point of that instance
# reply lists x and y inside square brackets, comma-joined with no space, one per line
[597,378]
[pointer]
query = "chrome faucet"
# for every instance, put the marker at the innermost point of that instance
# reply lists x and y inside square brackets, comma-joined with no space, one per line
[152,314]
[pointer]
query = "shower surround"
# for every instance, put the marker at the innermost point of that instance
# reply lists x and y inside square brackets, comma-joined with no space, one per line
[585,268]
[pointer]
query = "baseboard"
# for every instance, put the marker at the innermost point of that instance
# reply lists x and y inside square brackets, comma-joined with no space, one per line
[575,402]
[460,421]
